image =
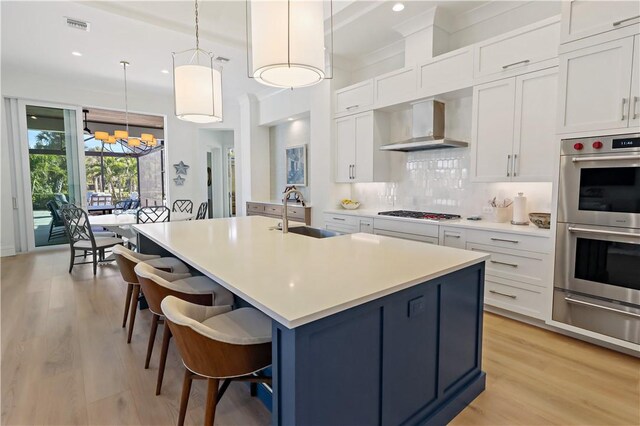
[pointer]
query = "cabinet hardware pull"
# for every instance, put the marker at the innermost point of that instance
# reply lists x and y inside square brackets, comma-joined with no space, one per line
[354,171]
[635,107]
[513,265]
[606,158]
[352,107]
[508,165]
[339,218]
[602,231]
[515,157]
[505,241]
[569,299]
[615,24]
[624,101]
[350,171]
[451,235]
[512,296]
[526,61]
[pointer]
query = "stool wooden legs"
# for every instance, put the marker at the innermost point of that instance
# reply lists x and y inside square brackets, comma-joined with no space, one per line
[184,399]
[152,338]
[166,337]
[134,308]
[127,303]
[212,401]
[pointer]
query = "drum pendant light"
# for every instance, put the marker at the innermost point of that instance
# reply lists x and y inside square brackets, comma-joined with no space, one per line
[197,84]
[286,42]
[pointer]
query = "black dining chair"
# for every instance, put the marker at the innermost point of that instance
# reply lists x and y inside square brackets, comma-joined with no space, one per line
[56,229]
[81,237]
[182,206]
[153,214]
[202,210]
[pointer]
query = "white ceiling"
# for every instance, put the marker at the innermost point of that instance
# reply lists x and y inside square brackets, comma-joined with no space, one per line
[34,35]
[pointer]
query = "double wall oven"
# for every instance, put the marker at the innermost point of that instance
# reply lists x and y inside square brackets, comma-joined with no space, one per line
[597,268]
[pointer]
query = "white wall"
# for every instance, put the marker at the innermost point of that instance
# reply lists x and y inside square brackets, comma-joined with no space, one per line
[281,136]
[181,137]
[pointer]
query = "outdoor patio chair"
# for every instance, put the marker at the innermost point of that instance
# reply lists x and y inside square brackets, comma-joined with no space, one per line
[56,229]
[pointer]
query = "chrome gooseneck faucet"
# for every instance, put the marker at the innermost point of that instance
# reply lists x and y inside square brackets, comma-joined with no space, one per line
[285,219]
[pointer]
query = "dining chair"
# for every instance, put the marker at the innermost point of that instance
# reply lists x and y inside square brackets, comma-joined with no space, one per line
[202,210]
[122,205]
[81,237]
[153,214]
[182,206]
[127,261]
[217,343]
[56,221]
[157,284]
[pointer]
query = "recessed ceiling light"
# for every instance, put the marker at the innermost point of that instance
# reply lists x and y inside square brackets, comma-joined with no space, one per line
[76,53]
[290,119]
[398,7]
[33,117]
[165,71]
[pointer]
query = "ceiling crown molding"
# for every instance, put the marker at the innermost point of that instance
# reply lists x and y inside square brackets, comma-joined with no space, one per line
[432,17]
[482,13]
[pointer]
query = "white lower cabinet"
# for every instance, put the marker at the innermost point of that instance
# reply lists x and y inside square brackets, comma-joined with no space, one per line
[347,224]
[415,231]
[453,237]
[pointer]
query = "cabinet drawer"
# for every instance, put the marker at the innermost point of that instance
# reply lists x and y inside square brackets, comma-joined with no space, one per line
[517,49]
[448,72]
[395,87]
[509,241]
[355,98]
[526,267]
[273,210]
[341,228]
[453,237]
[295,212]
[404,236]
[366,225]
[529,301]
[341,220]
[582,18]
[255,208]
[425,229]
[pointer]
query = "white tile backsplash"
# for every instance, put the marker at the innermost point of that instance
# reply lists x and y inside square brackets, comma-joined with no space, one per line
[439,181]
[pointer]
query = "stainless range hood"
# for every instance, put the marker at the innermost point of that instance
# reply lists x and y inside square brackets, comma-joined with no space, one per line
[427,130]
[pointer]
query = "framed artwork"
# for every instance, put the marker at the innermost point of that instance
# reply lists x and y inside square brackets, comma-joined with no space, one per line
[296,165]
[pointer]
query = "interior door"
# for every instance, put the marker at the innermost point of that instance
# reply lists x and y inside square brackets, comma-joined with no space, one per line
[534,142]
[51,148]
[345,148]
[492,130]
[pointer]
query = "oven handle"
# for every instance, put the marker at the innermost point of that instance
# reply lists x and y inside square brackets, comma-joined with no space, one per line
[606,158]
[603,232]
[569,299]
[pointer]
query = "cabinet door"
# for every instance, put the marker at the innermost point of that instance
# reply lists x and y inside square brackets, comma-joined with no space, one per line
[363,169]
[584,18]
[634,99]
[395,87]
[492,131]
[345,148]
[594,87]
[534,147]
[354,98]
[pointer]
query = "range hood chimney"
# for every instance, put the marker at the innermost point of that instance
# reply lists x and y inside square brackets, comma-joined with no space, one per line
[427,130]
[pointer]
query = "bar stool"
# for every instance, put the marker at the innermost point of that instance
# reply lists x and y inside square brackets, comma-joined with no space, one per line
[217,343]
[157,284]
[127,260]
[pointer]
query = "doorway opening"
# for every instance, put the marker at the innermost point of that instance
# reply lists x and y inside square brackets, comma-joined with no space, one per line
[219,159]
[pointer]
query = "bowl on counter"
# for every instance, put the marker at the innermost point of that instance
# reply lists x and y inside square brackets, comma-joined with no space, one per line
[541,220]
[350,206]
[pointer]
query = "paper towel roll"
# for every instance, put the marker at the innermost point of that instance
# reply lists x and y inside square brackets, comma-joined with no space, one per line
[520,210]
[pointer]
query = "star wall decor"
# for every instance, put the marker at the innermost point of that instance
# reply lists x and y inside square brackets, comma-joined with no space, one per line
[179,180]
[181,168]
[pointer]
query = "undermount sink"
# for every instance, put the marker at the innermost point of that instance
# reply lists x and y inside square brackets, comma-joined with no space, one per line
[313,232]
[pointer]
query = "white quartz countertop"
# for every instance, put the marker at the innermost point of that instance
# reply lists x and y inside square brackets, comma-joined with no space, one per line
[297,279]
[462,223]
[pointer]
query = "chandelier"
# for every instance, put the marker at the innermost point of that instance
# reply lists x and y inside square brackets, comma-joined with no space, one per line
[197,83]
[286,44]
[121,142]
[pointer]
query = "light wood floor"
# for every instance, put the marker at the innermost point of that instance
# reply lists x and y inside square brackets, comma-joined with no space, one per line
[65,361]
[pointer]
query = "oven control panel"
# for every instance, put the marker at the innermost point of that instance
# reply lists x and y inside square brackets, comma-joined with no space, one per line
[602,144]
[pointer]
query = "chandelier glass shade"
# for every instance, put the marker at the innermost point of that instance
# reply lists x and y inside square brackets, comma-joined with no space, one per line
[197,84]
[286,42]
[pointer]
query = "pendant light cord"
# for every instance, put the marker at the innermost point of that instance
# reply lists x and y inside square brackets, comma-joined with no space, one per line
[126,99]
[197,29]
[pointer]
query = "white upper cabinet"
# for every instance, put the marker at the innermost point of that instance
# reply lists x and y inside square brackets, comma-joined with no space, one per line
[447,72]
[358,158]
[517,50]
[513,129]
[584,18]
[595,87]
[395,87]
[492,130]
[535,126]
[634,99]
[355,98]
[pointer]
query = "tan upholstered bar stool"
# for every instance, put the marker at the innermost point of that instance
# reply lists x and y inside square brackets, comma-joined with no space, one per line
[157,284]
[217,343]
[127,261]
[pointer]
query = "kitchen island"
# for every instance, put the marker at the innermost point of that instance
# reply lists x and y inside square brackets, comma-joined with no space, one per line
[367,329]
